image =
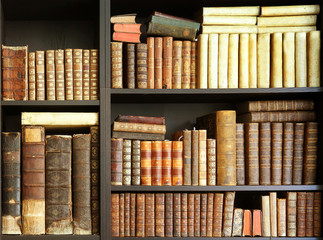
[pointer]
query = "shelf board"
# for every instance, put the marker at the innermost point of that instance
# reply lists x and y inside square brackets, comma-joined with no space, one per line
[51,103]
[216,188]
[50,237]
[208,238]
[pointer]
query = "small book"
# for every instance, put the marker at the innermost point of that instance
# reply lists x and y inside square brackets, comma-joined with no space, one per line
[135,162]
[211,162]
[169,215]
[177,163]
[167,163]
[150,215]
[140,215]
[281,217]
[237,222]
[121,214]
[265,208]
[115,215]
[50,75]
[31,76]
[160,215]
[128,27]
[68,62]
[59,74]
[116,65]
[116,161]
[126,162]
[256,223]
[40,75]
[86,74]
[127,37]
[141,65]
[77,74]
[124,18]
[291,213]
[94,74]
[273,213]
[177,215]
[247,223]
[228,213]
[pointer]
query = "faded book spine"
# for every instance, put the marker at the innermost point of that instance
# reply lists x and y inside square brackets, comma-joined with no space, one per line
[160,215]
[140,215]
[86,74]
[135,162]
[169,215]
[167,62]
[184,214]
[186,64]
[126,215]
[158,63]
[209,214]
[130,65]
[195,158]
[228,213]
[141,64]
[77,74]
[252,153]
[69,93]
[276,153]
[59,75]
[145,163]
[40,75]
[94,74]
[177,65]
[237,222]
[265,153]
[31,76]
[193,65]
[150,215]
[177,215]
[281,217]
[291,213]
[288,144]
[310,154]
[121,215]
[298,153]
[126,169]
[177,163]
[211,162]
[115,215]
[240,154]
[50,75]
[202,158]
[156,162]
[203,214]
[150,62]
[187,151]
[116,161]
[116,65]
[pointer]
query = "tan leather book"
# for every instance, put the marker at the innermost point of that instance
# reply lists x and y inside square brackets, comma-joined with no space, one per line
[116,161]
[150,62]
[288,145]
[139,127]
[209,215]
[234,29]
[135,162]
[133,201]
[213,58]
[287,21]
[298,153]
[228,20]
[276,153]
[130,65]
[317,208]
[252,153]
[265,153]
[265,208]
[228,213]
[167,62]
[40,75]
[197,214]
[145,163]
[253,60]
[169,215]
[184,214]
[126,162]
[244,60]
[240,154]
[77,74]
[300,60]
[193,65]
[233,61]
[313,58]
[86,74]
[177,65]
[202,158]
[217,214]
[116,65]
[231,11]
[281,217]
[195,158]
[309,215]
[140,215]
[121,214]
[284,116]
[237,222]
[290,10]
[276,60]
[167,163]
[115,215]
[203,214]
[289,59]
[211,162]
[177,163]
[150,215]
[141,64]
[59,74]
[158,63]
[156,162]
[50,75]
[286,29]
[186,64]
[263,60]
[160,215]
[94,74]
[190,215]
[301,214]
[291,213]
[223,60]
[247,223]
[69,92]
[202,61]
[310,152]
[177,215]
[31,76]
[273,213]
[187,157]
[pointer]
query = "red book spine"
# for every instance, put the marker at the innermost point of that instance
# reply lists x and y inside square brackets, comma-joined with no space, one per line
[301,213]
[167,163]
[156,163]
[317,214]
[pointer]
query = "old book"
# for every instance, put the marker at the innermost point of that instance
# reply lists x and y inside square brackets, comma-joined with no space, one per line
[141,65]
[228,213]
[139,127]
[169,215]
[68,62]
[286,29]
[313,58]
[40,75]
[145,163]
[11,188]
[203,214]
[31,76]
[177,215]
[116,65]
[94,74]
[150,62]
[77,74]
[167,62]
[58,196]
[256,223]
[177,163]
[244,60]
[287,21]
[167,163]
[281,217]
[301,214]
[130,65]
[209,214]
[156,163]
[211,162]
[237,222]
[209,29]
[158,63]
[202,158]
[276,60]
[300,60]
[177,65]
[124,18]
[127,27]
[186,64]
[82,184]
[135,162]
[138,136]
[273,213]
[190,215]
[265,153]
[290,10]
[33,180]
[226,147]
[240,153]
[50,75]
[265,208]
[184,214]
[193,65]
[285,116]
[195,158]
[317,208]
[133,207]
[86,74]
[231,11]
[187,157]
[263,60]
[252,153]
[276,153]
[247,223]
[233,61]
[176,20]
[252,60]
[126,162]
[140,215]
[202,61]
[291,213]
[127,37]
[59,74]
[160,215]
[14,73]
[298,153]
[310,153]
[197,214]
[115,215]
[217,214]
[150,215]
[223,60]
[309,215]
[121,214]
[228,20]
[289,59]
[116,161]
[213,57]
[288,144]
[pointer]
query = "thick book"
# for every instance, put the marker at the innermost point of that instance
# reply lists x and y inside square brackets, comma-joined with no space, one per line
[228,20]
[145,163]
[211,162]
[130,37]
[177,163]
[309,214]
[298,153]
[276,153]
[77,74]
[292,10]
[286,29]
[50,75]
[135,162]
[116,161]
[58,195]
[247,223]
[130,65]
[128,27]
[177,65]
[124,18]
[256,223]
[115,215]
[150,62]
[158,63]
[186,63]
[133,200]
[197,214]
[263,60]
[116,65]
[233,60]
[140,215]
[218,214]
[138,136]
[169,215]
[68,62]
[173,20]
[11,182]
[141,65]
[94,74]
[141,119]
[14,73]
[317,208]
[310,152]
[150,215]
[184,214]
[313,58]
[231,11]
[283,116]
[126,162]
[167,163]
[281,217]
[301,214]
[202,61]
[31,76]
[177,215]
[223,60]
[167,67]
[291,214]
[126,215]
[252,153]
[212,61]
[203,214]
[289,59]
[209,214]
[59,74]
[33,180]
[202,158]
[265,153]
[139,127]
[195,158]
[160,215]
[234,29]
[190,215]
[121,215]
[228,213]
[237,222]
[86,74]
[40,75]
[187,157]
[273,213]
[288,144]
[156,163]
[265,208]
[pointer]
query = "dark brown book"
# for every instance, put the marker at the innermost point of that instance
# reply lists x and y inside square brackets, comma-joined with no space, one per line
[240,154]
[94,74]
[150,215]
[130,65]
[218,214]
[265,153]
[58,184]
[310,152]
[31,76]
[276,153]
[135,162]
[141,119]
[237,222]
[211,162]
[160,215]
[177,215]
[190,214]
[193,65]
[126,215]
[177,65]
[167,62]
[309,215]
[158,64]
[256,223]
[207,122]
[187,151]
[59,74]
[252,153]
[167,163]
[116,65]
[150,62]
[138,136]
[156,162]
[145,163]
[291,213]
[116,161]
[50,75]
[126,169]
[298,153]
[281,217]
[86,74]
[133,220]
[169,214]
[317,208]
[141,65]
[115,215]
[82,184]
[288,145]
[68,61]
[33,180]
[40,75]
[186,64]
[140,215]
[286,116]
[228,213]
[195,158]
[14,73]
[184,214]
[301,214]
[203,214]
[121,215]
[197,214]
[11,180]
[209,214]
[77,74]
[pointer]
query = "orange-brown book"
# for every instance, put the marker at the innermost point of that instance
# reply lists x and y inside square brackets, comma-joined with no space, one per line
[167,62]
[177,65]
[184,202]
[288,144]
[68,62]
[240,154]
[276,153]
[202,158]
[150,62]
[160,215]
[40,75]
[265,153]
[247,223]
[298,153]
[127,214]
[252,153]
[94,74]
[195,157]
[50,75]
[141,63]
[167,163]
[317,214]
[85,74]
[177,163]
[169,215]
[145,163]
[127,27]
[121,215]
[116,161]
[190,215]
[177,215]
[77,74]
[59,74]
[187,151]
[197,214]
[126,37]
[310,152]
[228,213]
[150,215]
[31,76]
[211,162]
[130,65]
[140,215]
[286,116]
[217,214]
[281,217]
[116,65]
[291,213]
[186,64]
[209,214]
[158,59]
[156,162]
[193,65]
[309,215]
[115,215]
[133,200]
[237,222]
[301,214]
[203,214]
[256,223]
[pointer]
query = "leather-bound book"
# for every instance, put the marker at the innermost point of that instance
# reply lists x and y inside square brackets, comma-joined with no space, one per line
[218,214]
[177,215]
[265,153]
[228,213]
[160,215]
[197,215]
[141,119]
[284,116]
[115,215]
[145,163]
[94,74]
[59,74]
[310,152]
[31,76]
[309,215]
[82,184]
[126,156]
[195,157]
[265,208]
[158,63]
[203,214]
[211,162]
[281,217]
[121,214]
[77,74]
[288,144]
[291,213]
[193,65]
[58,196]
[237,222]
[116,161]
[50,75]
[177,65]
[167,163]
[139,127]
[202,158]
[273,213]
[187,155]
[240,154]
[116,65]
[40,75]
[68,74]
[301,214]
[209,214]
[186,64]
[11,188]
[33,180]
[140,215]
[133,220]
[317,208]
[247,223]
[126,215]
[14,73]
[169,214]
[150,62]
[150,215]
[256,223]
[130,67]
[135,162]
[298,153]
[252,153]
[184,214]
[167,62]
[276,153]
[86,74]
[156,162]
[226,147]
[190,215]
[141,64]
[177,163]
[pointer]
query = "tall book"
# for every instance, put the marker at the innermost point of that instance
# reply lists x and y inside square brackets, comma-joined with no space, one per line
[289,59]
[184,214]
[86,74]
[197,214]
[31,76]
[11,177]
[40,75]
[121,214]
[195,157]
[150,215]
[237,222]
[167,163]
[244,60]
[300,60]
[130,65]
[156,162]
[209,214]
[116,161]
[150,62]
[202,158]
[177,163]
[116,65]
[187,157]
[14,73]
[58,196]
[177,215]
[33,180]
[233,61]
[273,213]
[228,213]
[213,57]
[202,61]
[126,162]
[59,74]
[190,215]
[68,61]
[310,154]
[186,64]
[126,215]
[288,144]
[82,184]
[135,162]
[276,60]
[263,60]
[281,217]
[50,75]
[160,215]
[193,65]
[291,213]
[177,65]
[265,208]
[140,215]
[301,214]
[133,200]
[211,162]
[169,215]
[313,58]
[240,154]
[223,60]
[77,74]
[115,215]
[145,163]
[158,63]
[94,74]
[203,214]
[217,214]
[317,208]
[167,62]
[253,60]
[141,64]
[265,153]
[309,215]
[276,153]
[252,153]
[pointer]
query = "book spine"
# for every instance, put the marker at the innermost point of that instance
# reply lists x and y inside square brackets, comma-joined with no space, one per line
[167,163]
[277,105]
[94,74]
[130,65]
[237,222]
[186,64]
[300,60]
[141,119]
[177,65]
[223,60]
[115,215]
[140,215]
[228,213]
[265,207]
[288,142]
[156,162]
[202,61]
[126,157]
[309,215]
[240,154]
[265,153]
[177,163]
[317,208]
[247,223]
[233,61]
[141,64]
[197,214]
[202,158]
[301,214]
[252,153]
[256,223]
[281,217]
[184,215]
[276,60]
[177,215]
[276,151]
[116,161]
[209,215]
[298,153]
[121,215]
[167,62]
[164,29]
[11,188]
[59,75]
[169,215]
[139,127]
[273,213]
[253,60]
[203,214]
[145,163]
[160,214]
[190,215]
[291,213]
[310,152]
[31,76]
[150,215]
[211,162]
[150,62]
[289,59]
[126,215]
[187,151]
[263,60]
[135,162]
[33,180]
[193,65]
[116,65]
[195,157]
[68,74]
[244,61]
[40,75]
[213,57]
[313,58]
[50,75]
[77,74]
[86,74]
[133,219]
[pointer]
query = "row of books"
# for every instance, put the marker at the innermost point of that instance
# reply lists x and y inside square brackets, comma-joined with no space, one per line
[214,215]
[70,74]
